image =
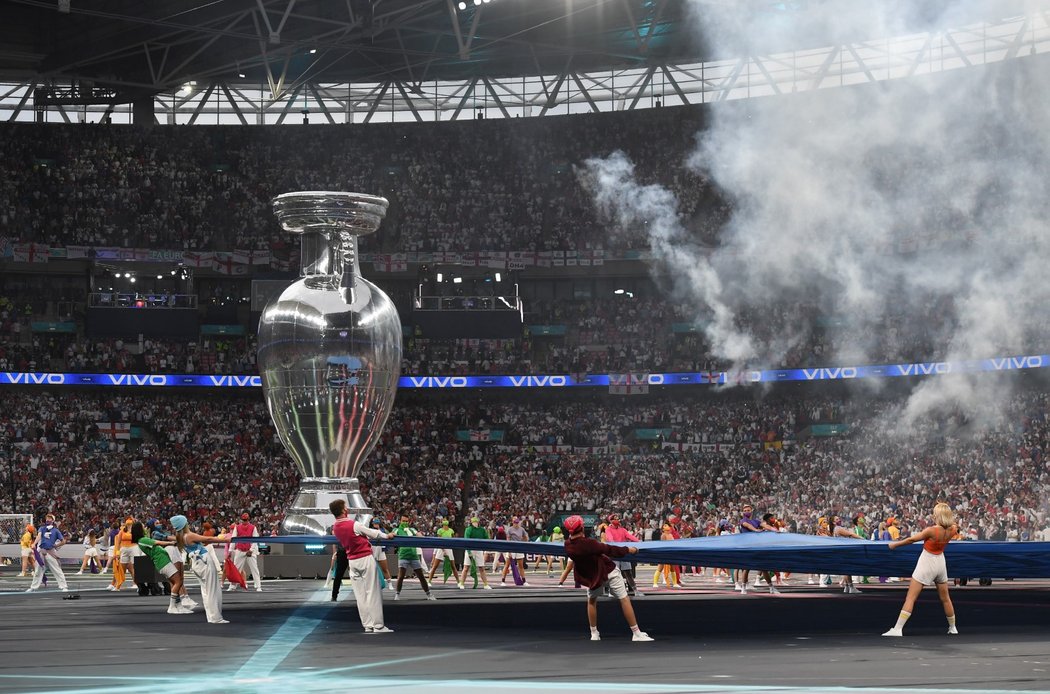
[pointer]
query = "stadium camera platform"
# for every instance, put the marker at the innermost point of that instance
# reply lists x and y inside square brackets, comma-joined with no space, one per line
[709,638]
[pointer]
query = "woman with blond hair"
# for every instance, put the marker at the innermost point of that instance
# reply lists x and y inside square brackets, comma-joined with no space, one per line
[931,568]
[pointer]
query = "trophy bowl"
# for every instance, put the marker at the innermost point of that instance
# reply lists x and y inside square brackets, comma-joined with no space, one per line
[329,355]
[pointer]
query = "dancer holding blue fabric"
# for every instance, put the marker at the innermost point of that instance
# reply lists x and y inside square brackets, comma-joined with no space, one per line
[593,568]
[931,568]
[474,559]
[204,565]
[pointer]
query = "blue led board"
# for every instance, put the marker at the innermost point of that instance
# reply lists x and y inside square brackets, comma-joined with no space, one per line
[837,373]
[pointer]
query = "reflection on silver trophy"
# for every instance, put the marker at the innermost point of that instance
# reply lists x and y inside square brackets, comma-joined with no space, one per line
[329,355]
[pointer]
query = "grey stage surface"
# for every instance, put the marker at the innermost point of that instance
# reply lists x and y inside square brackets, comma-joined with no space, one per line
[290,638]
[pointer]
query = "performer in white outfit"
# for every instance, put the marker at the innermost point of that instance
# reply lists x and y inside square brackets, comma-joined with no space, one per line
[91,551]
[205,565]
[354,538]
[47,543]
[245,553]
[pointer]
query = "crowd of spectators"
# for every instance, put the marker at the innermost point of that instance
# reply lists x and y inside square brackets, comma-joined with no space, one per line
[513,185]
[215,457]
[608,335]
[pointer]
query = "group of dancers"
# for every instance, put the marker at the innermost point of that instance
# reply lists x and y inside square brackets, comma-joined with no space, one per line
[599,567]
[171,550]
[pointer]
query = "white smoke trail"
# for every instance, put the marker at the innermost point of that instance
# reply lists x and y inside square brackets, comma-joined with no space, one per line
[878,204]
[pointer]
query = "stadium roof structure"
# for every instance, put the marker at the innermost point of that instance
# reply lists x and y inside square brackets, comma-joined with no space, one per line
[350,61]
[135,48]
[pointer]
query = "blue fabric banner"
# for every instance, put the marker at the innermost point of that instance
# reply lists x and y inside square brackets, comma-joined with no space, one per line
[781,552]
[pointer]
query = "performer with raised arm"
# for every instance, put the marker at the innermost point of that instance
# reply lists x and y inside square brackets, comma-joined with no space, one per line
[594,569]
[931,568]
[354,538]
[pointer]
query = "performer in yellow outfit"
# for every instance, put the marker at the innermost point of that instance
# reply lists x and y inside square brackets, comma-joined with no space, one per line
[28,563]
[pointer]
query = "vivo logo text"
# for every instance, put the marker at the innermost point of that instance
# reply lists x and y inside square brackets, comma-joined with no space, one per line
[830,374]
[1008,363]
[438,381]
[137,380]
[235,381]
[537,381]
[48,379]
[938,367]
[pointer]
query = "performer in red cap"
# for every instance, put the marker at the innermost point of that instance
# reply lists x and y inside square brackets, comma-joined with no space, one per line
[595,570]
[246,553]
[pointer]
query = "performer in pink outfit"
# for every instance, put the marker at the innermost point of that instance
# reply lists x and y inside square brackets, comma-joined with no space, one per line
[615,532]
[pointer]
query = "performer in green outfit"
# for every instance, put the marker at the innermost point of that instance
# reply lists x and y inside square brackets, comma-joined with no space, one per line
[155,550]
[410,559]
[443,556]
[556,536]
[474,560]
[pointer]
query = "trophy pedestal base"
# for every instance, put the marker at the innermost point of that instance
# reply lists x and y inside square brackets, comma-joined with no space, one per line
[309,513]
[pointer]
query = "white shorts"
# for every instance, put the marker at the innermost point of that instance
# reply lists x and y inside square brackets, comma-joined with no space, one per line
[514,555]
[109,552]
[91,552]
[27,551]
[443,554]
[617,588]
[174,554]
[128,554]
[930,569]
[168,570]
[409,564]
[477,555]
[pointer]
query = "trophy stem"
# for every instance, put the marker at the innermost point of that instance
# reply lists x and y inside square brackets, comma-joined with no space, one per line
[309,514]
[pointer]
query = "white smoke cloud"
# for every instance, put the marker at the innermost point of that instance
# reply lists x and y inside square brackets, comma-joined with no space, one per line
[879,204]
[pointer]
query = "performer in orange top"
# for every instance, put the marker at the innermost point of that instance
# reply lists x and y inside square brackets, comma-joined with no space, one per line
[124,552]
[931,568]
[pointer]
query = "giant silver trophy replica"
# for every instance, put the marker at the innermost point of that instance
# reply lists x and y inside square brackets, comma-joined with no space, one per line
[329,355]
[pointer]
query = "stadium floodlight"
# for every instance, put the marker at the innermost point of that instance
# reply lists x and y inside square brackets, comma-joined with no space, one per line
[160,277]
[312,51]
[133,280]
[498,277]
[241,75]
[477,3]
[618,291]
[462,6]
[457,280]
[440,277]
